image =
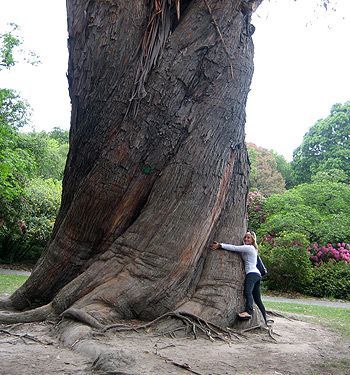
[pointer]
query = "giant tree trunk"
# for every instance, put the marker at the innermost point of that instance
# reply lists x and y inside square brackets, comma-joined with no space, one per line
[157,167]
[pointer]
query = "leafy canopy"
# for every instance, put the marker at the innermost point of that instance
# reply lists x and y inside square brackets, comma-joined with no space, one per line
[266,168]
[320,211]
[325,150]
[10,43]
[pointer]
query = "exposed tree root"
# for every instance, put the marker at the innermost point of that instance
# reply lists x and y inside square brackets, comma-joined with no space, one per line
[279,315]
[83,317]
[184,366]
[269,330]
[25,336]
[36,315]
[192,324]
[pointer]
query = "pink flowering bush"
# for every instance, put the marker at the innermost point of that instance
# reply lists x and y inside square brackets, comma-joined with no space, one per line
[255,207]
[329,253]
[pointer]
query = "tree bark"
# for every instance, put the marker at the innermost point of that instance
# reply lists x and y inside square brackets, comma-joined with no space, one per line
[157,167]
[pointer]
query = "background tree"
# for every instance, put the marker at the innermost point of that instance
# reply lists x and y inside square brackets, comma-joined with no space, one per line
[264,174]
[325,148]
[285,168]
[10,43]
[157,166]
[29,197]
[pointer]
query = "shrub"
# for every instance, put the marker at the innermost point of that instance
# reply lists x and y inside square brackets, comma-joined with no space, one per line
[320,211]
[288,262]
[331,279]
[28,231]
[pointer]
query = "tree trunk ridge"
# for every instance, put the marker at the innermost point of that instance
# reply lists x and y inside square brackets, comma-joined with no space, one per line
[148,187]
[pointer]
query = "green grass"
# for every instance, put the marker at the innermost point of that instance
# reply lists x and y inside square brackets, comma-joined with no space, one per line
[9,283]
[333,317]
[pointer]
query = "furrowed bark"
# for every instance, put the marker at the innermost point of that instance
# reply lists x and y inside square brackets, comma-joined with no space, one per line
[149,185]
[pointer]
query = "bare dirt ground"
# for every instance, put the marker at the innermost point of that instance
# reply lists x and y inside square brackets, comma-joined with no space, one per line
[300,348]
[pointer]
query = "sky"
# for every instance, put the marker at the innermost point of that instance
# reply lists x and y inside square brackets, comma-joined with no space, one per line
[301,60]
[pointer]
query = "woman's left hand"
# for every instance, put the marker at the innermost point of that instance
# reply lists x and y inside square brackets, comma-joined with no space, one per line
[215,246]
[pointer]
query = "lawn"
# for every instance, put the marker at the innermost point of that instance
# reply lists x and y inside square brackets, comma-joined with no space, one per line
[333,317]
[9,283]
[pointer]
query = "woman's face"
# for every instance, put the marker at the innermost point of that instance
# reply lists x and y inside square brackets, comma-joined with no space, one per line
[248,239]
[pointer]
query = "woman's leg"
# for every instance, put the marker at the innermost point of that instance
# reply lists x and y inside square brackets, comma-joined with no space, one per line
[249,284]
[257,298]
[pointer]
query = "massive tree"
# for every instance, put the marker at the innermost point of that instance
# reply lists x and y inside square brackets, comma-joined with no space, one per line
[157,166]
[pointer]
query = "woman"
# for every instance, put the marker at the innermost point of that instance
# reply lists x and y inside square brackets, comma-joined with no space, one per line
[249,253]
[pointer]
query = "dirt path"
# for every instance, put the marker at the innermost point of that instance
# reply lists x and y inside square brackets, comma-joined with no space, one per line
[300,348]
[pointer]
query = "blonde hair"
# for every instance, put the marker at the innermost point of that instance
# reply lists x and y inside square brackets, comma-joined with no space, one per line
[254,239]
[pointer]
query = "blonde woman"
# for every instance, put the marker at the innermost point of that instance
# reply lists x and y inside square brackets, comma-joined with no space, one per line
[249,253]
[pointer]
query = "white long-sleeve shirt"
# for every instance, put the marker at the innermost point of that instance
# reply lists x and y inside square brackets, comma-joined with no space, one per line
[248,253]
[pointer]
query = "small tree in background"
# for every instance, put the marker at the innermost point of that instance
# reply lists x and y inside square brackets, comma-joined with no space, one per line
[264,174]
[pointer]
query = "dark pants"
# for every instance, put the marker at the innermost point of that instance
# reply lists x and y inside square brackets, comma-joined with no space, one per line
[252,293]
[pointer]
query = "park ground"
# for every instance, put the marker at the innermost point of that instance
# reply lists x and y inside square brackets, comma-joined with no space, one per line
[298,345]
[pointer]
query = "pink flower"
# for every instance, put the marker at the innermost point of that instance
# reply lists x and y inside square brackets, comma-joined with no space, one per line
[334,252]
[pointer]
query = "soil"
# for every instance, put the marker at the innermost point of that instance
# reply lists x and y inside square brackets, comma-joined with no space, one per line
[299,347]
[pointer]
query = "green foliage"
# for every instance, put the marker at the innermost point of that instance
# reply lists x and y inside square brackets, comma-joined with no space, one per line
[331,280]
[325,148]
[319,211]
[31,167]
[285,168]
[49,154]
[264,174]
[30,190]
[16,164]
[26,232]
[10,41]
[60,135]
[14,111]
[288,263]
